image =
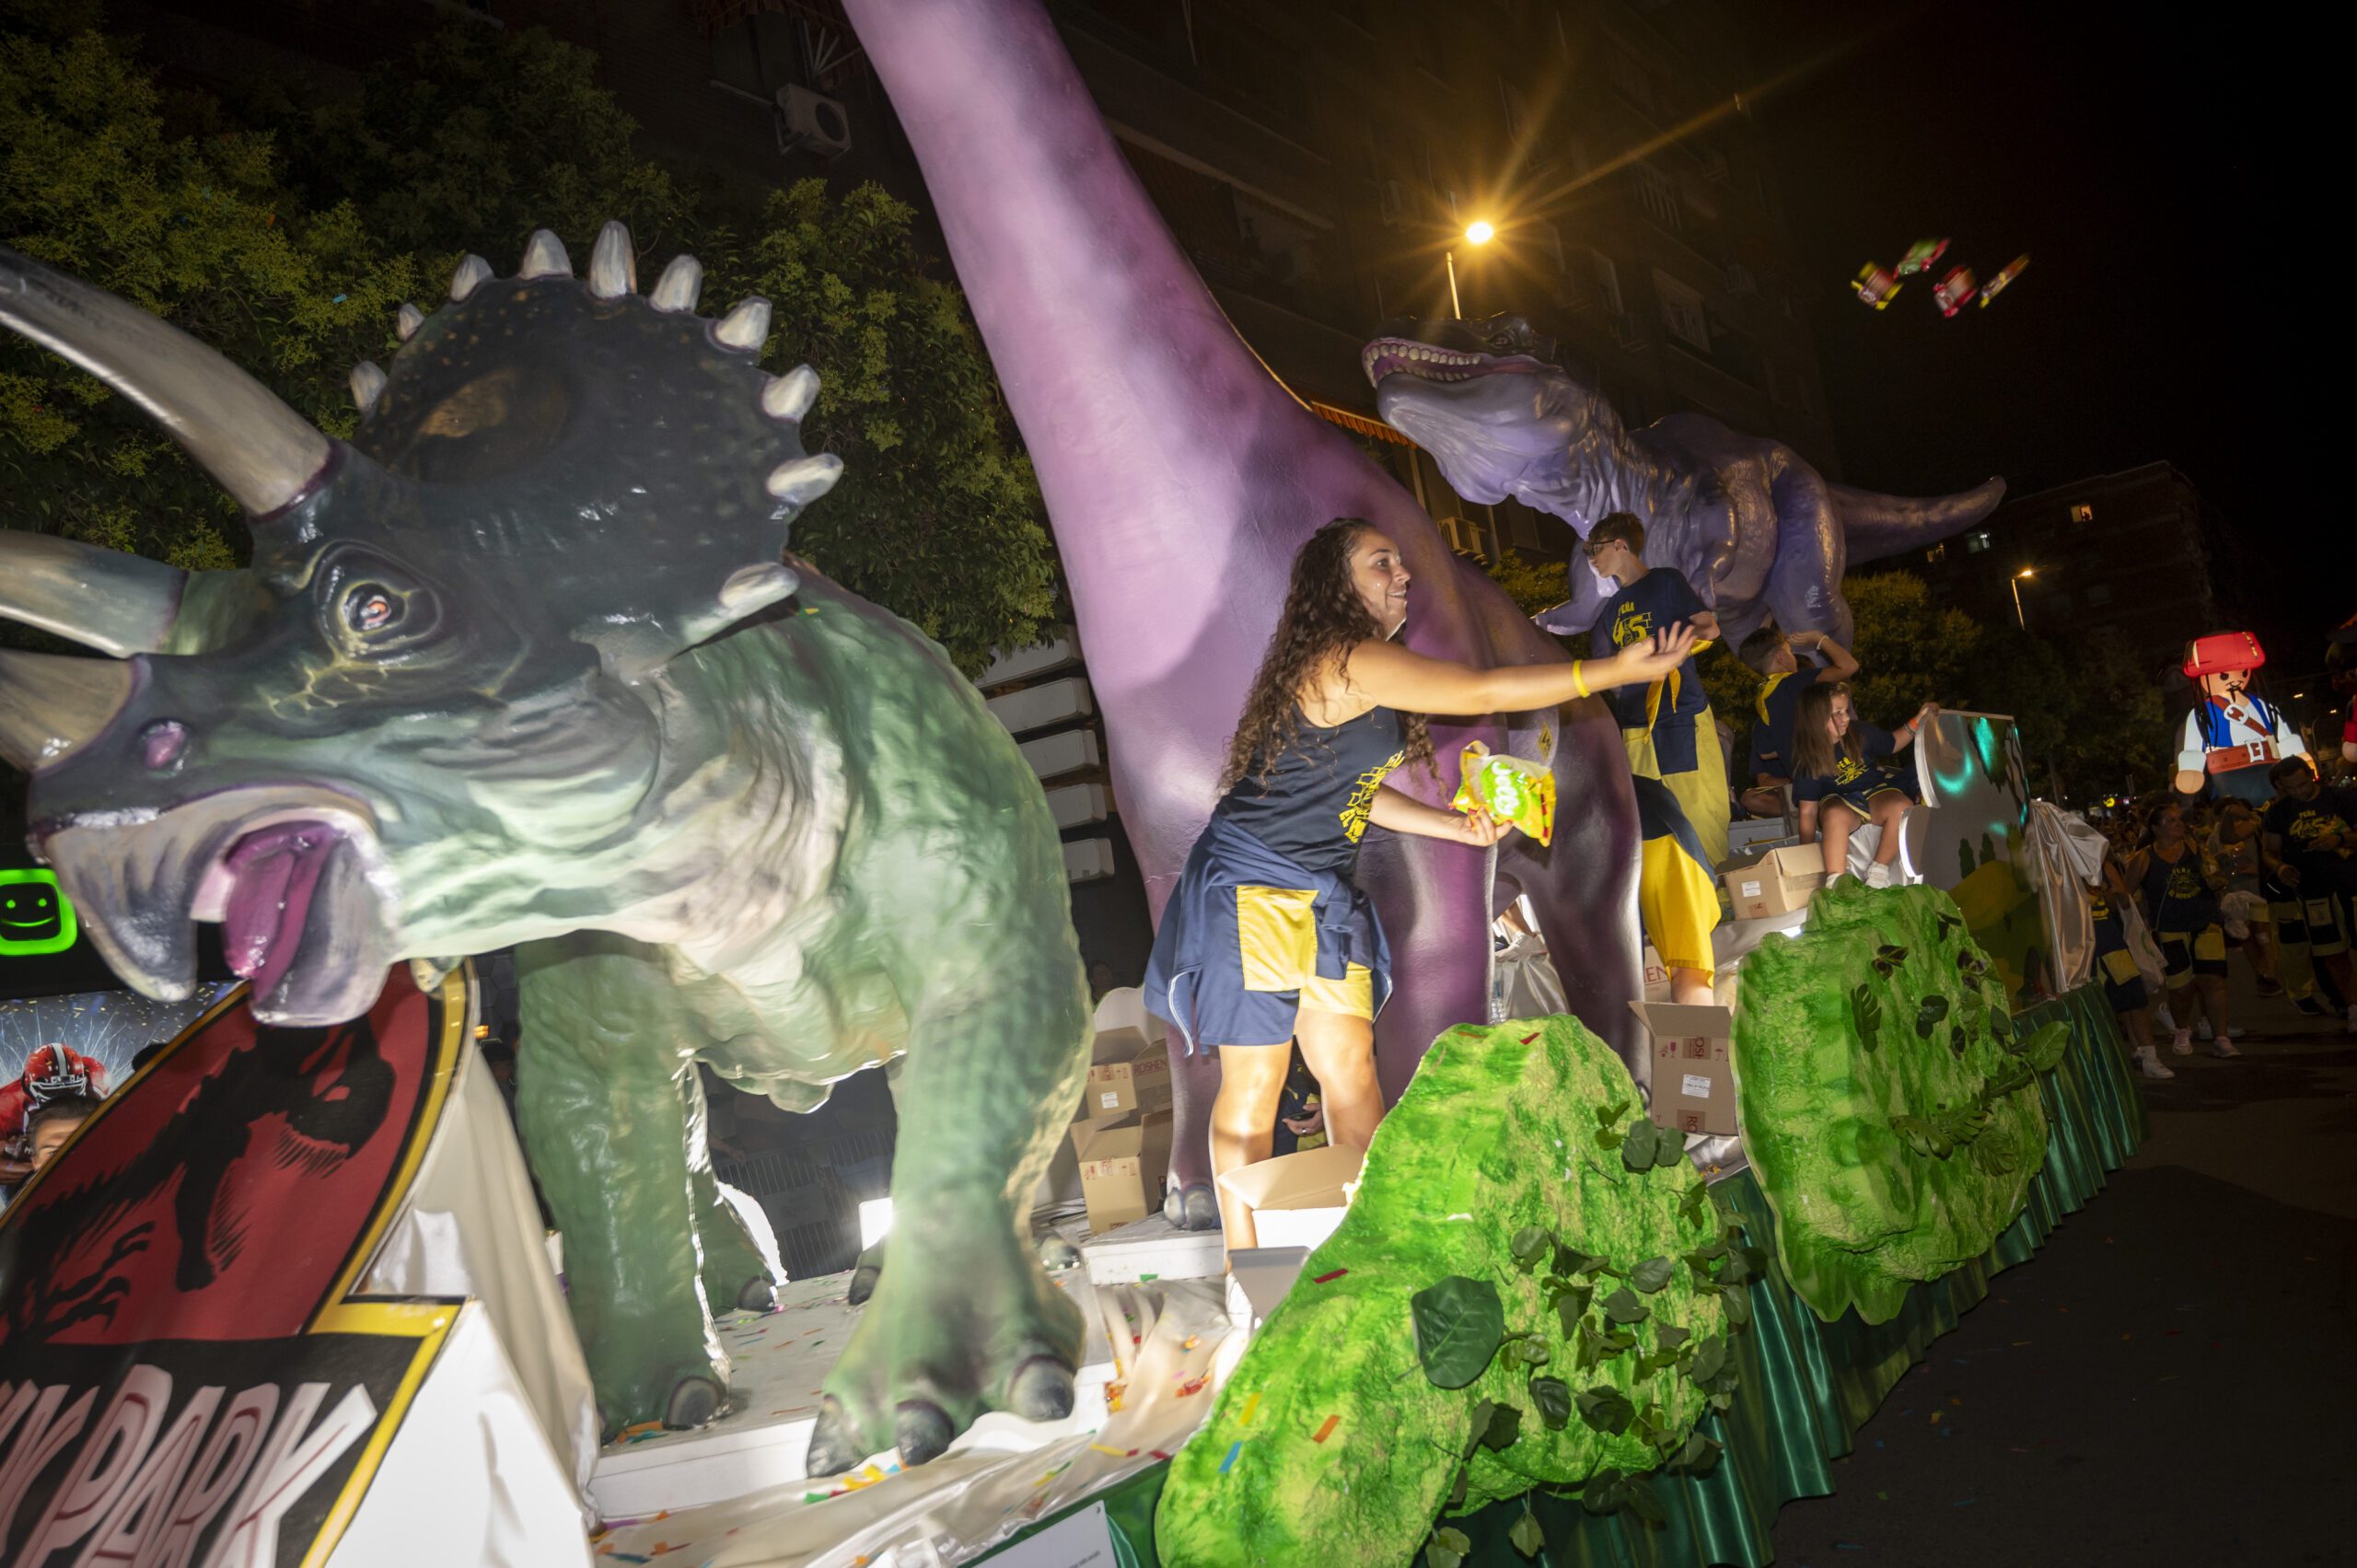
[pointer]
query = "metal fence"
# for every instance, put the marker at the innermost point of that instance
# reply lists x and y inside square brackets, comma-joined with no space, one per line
[812,1196]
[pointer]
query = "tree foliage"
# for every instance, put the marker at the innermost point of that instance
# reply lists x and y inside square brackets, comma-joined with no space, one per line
[1533,586]
[287,234]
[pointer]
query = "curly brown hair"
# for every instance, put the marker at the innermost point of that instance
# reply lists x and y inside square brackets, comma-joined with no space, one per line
[1323,614]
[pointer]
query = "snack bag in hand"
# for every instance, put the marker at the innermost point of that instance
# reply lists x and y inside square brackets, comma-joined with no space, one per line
[1511,790]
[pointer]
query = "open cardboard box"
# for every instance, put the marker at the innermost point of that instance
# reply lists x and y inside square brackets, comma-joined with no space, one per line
[1693,1082]
[1129,1064]
[1779,882]
[1123,1160]
[1297,1200]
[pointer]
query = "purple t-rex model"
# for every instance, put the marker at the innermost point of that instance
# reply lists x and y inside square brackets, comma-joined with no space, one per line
[1180,478]
[1747,520]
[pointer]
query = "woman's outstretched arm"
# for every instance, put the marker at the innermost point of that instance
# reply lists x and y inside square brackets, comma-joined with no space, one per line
[1398,678]
[1405,814]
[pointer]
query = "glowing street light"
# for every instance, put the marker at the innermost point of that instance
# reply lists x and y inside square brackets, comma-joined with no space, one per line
[1480,231]
[2024,572]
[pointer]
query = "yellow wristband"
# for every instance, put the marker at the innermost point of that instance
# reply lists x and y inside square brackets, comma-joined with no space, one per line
[1579,681]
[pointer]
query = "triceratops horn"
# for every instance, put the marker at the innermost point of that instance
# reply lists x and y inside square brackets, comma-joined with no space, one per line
[679,285]
[407,321]
[367,383]
[801,480]
[50,706]
[613,268]
[791,395]
[107,599]
[263,452]
[544,257]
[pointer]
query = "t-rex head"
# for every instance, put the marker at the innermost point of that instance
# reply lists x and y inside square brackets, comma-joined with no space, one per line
[431,717]
[1484,400]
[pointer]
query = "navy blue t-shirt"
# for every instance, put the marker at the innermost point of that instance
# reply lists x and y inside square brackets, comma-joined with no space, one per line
[1771,735]
[1855,778]
[1657,601]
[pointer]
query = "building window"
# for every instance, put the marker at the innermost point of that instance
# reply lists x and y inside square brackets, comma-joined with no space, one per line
[1629,78]
[1974,543]
[1658,197]
[2083,514]
[1937,553]
[1681,311]
[1608,283]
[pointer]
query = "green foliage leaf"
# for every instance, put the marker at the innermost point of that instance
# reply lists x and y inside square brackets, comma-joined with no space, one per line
[1525,1536]
[1529,1246]
[1606,1115]
[1449,1548]
[1606,1409]
[1572,1306]
[1570,1260]
[1669,1336]
[1698,1456]
[1504,1426]
[1890,952]
[1710,1363]
[1459,1324]
[1623,1307]
[1637,1148]
[1865,1015]
[1928,1013]
[1532,1353]
[2043,1050]
[1551,1397]
[1736,1305]
[1669,1148]
[1652,1274]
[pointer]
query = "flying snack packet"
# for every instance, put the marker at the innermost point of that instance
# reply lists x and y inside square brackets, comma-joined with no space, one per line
[1511,790]
[1996,286]
[1921,255]
[1875,284]
[1951,292]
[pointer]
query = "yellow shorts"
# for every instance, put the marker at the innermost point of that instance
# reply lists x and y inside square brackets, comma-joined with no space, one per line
[1679,903]
[1276,932]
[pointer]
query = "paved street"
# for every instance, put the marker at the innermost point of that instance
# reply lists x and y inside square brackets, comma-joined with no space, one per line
[2170,1380]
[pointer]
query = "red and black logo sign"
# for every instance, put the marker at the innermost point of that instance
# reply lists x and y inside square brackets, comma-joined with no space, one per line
[183,1376]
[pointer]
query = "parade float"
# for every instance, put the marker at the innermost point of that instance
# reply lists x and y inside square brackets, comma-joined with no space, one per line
[524,664]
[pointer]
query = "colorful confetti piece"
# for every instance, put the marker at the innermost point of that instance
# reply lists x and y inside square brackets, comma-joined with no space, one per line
[1327,1430]
[1249,1406]
[1324,1278]
[1115,1452]
[1233,1449]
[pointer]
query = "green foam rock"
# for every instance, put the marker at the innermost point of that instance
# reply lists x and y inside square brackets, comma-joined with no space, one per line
[1863,1091]
[1498,1140]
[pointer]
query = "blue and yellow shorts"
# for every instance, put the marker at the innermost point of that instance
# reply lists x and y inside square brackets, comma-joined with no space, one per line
[1276,942]
[2185,954]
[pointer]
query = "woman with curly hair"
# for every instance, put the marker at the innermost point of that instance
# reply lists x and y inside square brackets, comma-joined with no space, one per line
[1267,939]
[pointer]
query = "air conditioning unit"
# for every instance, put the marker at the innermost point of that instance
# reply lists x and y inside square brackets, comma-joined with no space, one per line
[1395,205]
[810,122]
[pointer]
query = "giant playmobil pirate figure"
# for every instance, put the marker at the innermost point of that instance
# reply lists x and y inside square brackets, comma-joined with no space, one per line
[2231,737]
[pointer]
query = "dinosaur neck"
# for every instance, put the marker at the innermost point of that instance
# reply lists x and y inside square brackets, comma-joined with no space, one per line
[1607,471]
[1146,415]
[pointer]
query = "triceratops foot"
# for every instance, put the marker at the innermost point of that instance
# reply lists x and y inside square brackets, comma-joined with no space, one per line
[679,1395]
[756,1295]
[696,1400]
[869,1269]
[963,1321]
[1192,1207]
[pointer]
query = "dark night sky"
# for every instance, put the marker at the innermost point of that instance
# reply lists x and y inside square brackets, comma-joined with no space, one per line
[2180,301]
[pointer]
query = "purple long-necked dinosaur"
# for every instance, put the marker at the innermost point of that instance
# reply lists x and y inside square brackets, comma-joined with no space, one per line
[1180,478]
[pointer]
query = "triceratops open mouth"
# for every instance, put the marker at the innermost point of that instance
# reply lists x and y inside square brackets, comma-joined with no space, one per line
[295,876]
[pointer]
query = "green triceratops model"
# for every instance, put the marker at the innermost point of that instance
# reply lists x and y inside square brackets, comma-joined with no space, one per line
[523,663]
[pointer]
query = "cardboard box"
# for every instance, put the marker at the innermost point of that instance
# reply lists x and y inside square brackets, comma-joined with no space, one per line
[1656,975]
[1129,1063]
[1777,883]
[1297,1200]
[1123,1163]
[1693,1082]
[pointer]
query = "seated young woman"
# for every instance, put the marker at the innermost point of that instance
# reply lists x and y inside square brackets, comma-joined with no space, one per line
[1843,777]
[1267,937]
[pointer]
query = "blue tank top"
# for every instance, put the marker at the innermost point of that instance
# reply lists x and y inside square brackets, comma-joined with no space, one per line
[1313,810]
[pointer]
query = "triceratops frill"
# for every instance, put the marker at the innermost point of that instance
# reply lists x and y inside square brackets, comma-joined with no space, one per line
[523,662]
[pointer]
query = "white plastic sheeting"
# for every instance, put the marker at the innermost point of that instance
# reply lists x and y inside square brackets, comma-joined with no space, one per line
[2070,855]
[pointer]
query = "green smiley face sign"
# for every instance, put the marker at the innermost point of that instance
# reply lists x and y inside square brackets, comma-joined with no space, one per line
[35,916]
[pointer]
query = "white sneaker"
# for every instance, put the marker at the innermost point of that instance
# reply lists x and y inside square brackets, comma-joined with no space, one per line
[2202,1031]
[2183,1042]
[2224,1048]
[2148,1062]
[1878,875]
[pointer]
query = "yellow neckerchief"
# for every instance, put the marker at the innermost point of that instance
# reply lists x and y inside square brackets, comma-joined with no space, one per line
[1767,688]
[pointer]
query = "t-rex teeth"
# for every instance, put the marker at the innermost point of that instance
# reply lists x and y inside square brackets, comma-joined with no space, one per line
[472,273]
[791,395]
[747,326]
[407,321]
[613,268]
[755,587]
[679,286]
[803,480]
[367,381]
[544,257]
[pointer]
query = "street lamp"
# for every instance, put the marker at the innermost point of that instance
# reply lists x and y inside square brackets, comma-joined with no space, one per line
[2016,585]
[1479,232]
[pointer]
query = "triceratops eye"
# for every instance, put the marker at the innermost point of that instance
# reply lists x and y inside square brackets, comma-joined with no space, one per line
[370,607]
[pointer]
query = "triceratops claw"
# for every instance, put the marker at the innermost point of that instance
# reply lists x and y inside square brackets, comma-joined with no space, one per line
[758,1295]
[922,1430]
[1041,1389]
[694,1401]
[833,1449]
[1191,1208]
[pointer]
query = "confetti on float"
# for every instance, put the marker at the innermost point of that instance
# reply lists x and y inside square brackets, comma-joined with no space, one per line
[1324,1279]
[1327,1430]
